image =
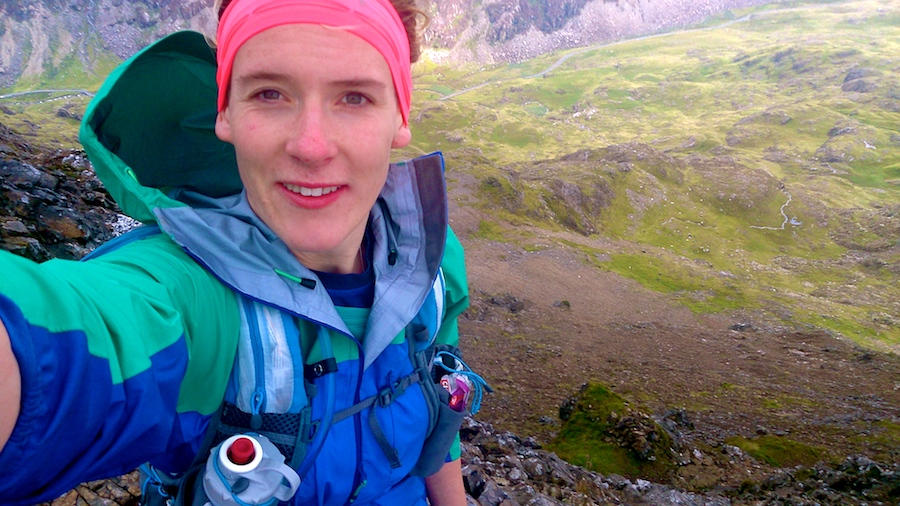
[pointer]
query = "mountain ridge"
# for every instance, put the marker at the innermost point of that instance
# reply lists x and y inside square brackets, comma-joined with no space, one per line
[43,39]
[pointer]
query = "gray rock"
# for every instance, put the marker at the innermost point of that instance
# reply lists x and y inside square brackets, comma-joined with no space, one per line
[473,480]
[19,174]
[493,495]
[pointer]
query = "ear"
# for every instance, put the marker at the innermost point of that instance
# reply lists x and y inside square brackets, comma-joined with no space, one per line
[223,126]
[402,137]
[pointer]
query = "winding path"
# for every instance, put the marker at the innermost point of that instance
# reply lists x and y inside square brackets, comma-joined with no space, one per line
[783,215]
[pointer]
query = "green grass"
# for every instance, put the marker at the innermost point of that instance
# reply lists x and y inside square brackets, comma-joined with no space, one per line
[490,230]
[700,291]
[40,124]
[884,435]
[779,451]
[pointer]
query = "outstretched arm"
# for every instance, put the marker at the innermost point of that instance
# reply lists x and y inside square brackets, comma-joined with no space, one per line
[445,487]
[10,387]
[100,361]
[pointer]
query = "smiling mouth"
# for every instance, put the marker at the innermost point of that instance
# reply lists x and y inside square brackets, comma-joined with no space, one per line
[310,192]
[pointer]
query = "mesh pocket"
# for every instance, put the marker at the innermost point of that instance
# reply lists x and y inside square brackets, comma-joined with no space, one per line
[282,429]
[437,445]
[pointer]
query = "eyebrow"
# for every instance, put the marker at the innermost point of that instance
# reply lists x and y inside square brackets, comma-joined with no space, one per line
[259,76]
[362,83]
[347,83]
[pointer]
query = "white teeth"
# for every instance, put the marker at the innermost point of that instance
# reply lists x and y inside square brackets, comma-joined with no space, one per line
[310,192]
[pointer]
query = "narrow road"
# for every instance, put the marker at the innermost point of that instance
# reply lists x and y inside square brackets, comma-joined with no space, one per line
[22,93]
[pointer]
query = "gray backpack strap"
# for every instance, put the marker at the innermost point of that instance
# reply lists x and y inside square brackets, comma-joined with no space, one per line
[382,399]
[443,421]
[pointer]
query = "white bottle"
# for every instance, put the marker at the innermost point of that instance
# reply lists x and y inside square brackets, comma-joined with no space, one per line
[247,469]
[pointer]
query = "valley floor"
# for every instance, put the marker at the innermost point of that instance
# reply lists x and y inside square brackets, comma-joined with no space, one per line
[544,322]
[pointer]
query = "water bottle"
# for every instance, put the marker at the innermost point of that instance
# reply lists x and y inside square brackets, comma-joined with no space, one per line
[248,470]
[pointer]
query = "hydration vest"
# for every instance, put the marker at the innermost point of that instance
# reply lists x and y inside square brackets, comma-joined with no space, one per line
[274,389]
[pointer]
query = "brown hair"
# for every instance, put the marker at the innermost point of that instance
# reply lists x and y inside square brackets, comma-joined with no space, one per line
[414,20]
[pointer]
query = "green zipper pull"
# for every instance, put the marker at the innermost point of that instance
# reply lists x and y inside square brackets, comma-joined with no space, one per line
[362,484]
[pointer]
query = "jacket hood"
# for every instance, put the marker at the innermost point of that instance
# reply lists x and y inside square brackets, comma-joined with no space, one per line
[150,134]
[151,128]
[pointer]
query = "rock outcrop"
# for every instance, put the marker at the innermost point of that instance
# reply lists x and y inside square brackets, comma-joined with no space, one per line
[51,204]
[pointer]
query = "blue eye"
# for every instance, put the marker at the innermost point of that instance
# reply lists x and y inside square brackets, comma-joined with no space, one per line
[269,95]
[355,98]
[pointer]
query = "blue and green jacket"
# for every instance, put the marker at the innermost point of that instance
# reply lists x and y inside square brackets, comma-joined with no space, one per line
[124,358]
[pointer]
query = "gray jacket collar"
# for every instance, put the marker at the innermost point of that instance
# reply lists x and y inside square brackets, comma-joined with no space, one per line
[409,225]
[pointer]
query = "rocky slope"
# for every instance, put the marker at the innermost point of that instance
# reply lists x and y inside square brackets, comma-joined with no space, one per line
[513,30]
[51,205]
[49,38]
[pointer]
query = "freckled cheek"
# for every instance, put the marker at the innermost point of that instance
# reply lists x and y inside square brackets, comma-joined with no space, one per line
[254,133]
[252,126]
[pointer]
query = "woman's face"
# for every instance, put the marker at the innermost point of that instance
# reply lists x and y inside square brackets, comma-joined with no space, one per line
[313,116]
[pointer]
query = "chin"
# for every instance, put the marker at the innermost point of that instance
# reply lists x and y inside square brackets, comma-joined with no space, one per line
[317,247]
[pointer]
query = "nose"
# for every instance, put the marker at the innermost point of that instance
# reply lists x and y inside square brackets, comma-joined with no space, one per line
[311,140]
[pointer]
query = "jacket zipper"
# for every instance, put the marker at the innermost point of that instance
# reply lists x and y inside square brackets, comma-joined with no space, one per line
[358,478]
[258,401]
[391,239]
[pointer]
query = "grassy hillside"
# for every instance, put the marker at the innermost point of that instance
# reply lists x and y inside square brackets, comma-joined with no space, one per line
[752,163]
[52,117]
[63,51]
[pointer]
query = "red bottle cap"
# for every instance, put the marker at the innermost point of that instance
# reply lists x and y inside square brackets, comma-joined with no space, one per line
[241,451]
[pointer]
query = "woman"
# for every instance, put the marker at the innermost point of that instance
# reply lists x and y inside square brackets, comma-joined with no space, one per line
[127,358]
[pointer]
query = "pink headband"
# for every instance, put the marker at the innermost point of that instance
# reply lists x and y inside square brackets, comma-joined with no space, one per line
[374,21]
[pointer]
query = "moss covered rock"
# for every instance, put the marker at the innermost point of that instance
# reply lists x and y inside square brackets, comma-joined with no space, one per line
[606,433]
